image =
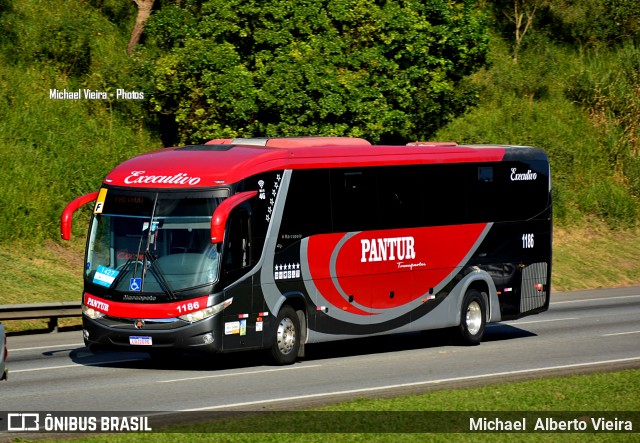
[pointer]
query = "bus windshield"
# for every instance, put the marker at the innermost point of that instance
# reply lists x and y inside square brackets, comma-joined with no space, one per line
[153,242]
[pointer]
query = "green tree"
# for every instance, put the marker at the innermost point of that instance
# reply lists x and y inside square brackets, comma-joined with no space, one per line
[516,18]
[583,22]
[386,70]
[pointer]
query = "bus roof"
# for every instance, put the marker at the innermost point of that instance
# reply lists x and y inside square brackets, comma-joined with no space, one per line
[225,161]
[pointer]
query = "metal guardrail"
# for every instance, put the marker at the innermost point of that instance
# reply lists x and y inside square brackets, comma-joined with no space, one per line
[52,311]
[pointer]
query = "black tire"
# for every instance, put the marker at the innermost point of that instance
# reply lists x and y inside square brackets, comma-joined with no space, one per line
[473,315]
[286,341]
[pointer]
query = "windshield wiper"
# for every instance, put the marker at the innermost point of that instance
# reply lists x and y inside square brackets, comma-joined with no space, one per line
[122,271]
[159,276]
[149,258]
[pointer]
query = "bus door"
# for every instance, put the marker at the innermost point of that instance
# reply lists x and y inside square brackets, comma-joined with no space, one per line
[239,320]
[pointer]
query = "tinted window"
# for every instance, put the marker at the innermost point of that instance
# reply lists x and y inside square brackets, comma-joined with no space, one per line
[525,193]
[400,196]
[354,198]
[484,201]
[348,200]
[261,207]
[237,255]
[445,194]
[307,209]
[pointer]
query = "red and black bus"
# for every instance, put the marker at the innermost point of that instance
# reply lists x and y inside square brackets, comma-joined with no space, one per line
[277,243]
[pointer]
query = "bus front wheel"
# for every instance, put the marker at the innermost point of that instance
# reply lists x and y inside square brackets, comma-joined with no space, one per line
[472,318]
[287,337]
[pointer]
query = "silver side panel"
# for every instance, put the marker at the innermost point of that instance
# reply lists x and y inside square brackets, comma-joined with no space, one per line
[445,315]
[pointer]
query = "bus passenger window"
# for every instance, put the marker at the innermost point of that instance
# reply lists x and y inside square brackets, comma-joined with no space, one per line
[485,175]
[400,195]
[354,200]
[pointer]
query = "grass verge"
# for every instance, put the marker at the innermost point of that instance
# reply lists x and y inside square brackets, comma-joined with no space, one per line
[592,256]
[576,397]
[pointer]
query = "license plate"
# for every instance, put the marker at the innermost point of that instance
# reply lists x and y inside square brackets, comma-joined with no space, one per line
[140,341]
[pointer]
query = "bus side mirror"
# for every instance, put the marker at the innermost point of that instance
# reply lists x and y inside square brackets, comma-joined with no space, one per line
[221,214]
[67,214]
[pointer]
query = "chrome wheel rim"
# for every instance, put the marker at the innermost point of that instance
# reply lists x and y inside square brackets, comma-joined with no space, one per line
[286,335]
[474,318]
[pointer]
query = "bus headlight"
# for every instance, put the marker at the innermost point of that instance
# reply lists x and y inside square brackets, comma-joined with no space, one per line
[91,313]
[195,316]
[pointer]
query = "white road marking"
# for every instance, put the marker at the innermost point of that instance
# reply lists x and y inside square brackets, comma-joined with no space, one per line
[538,321]
[74,345]
[621,333]
[77,365]
[593,299]
[405,385]
[234,374]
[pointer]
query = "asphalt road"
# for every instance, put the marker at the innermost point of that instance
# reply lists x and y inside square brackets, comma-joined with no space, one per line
[582,332]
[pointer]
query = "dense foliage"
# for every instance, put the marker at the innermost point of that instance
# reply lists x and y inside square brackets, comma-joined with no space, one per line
[52,151]
[575,92]
[582,23]
[389,71]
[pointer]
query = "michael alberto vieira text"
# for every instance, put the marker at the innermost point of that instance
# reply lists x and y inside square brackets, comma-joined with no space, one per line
[548,424]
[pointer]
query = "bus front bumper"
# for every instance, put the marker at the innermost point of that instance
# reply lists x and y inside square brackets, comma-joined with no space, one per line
[151,335]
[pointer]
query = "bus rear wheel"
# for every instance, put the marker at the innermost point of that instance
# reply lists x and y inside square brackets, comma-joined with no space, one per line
[287,337]
[472,318]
